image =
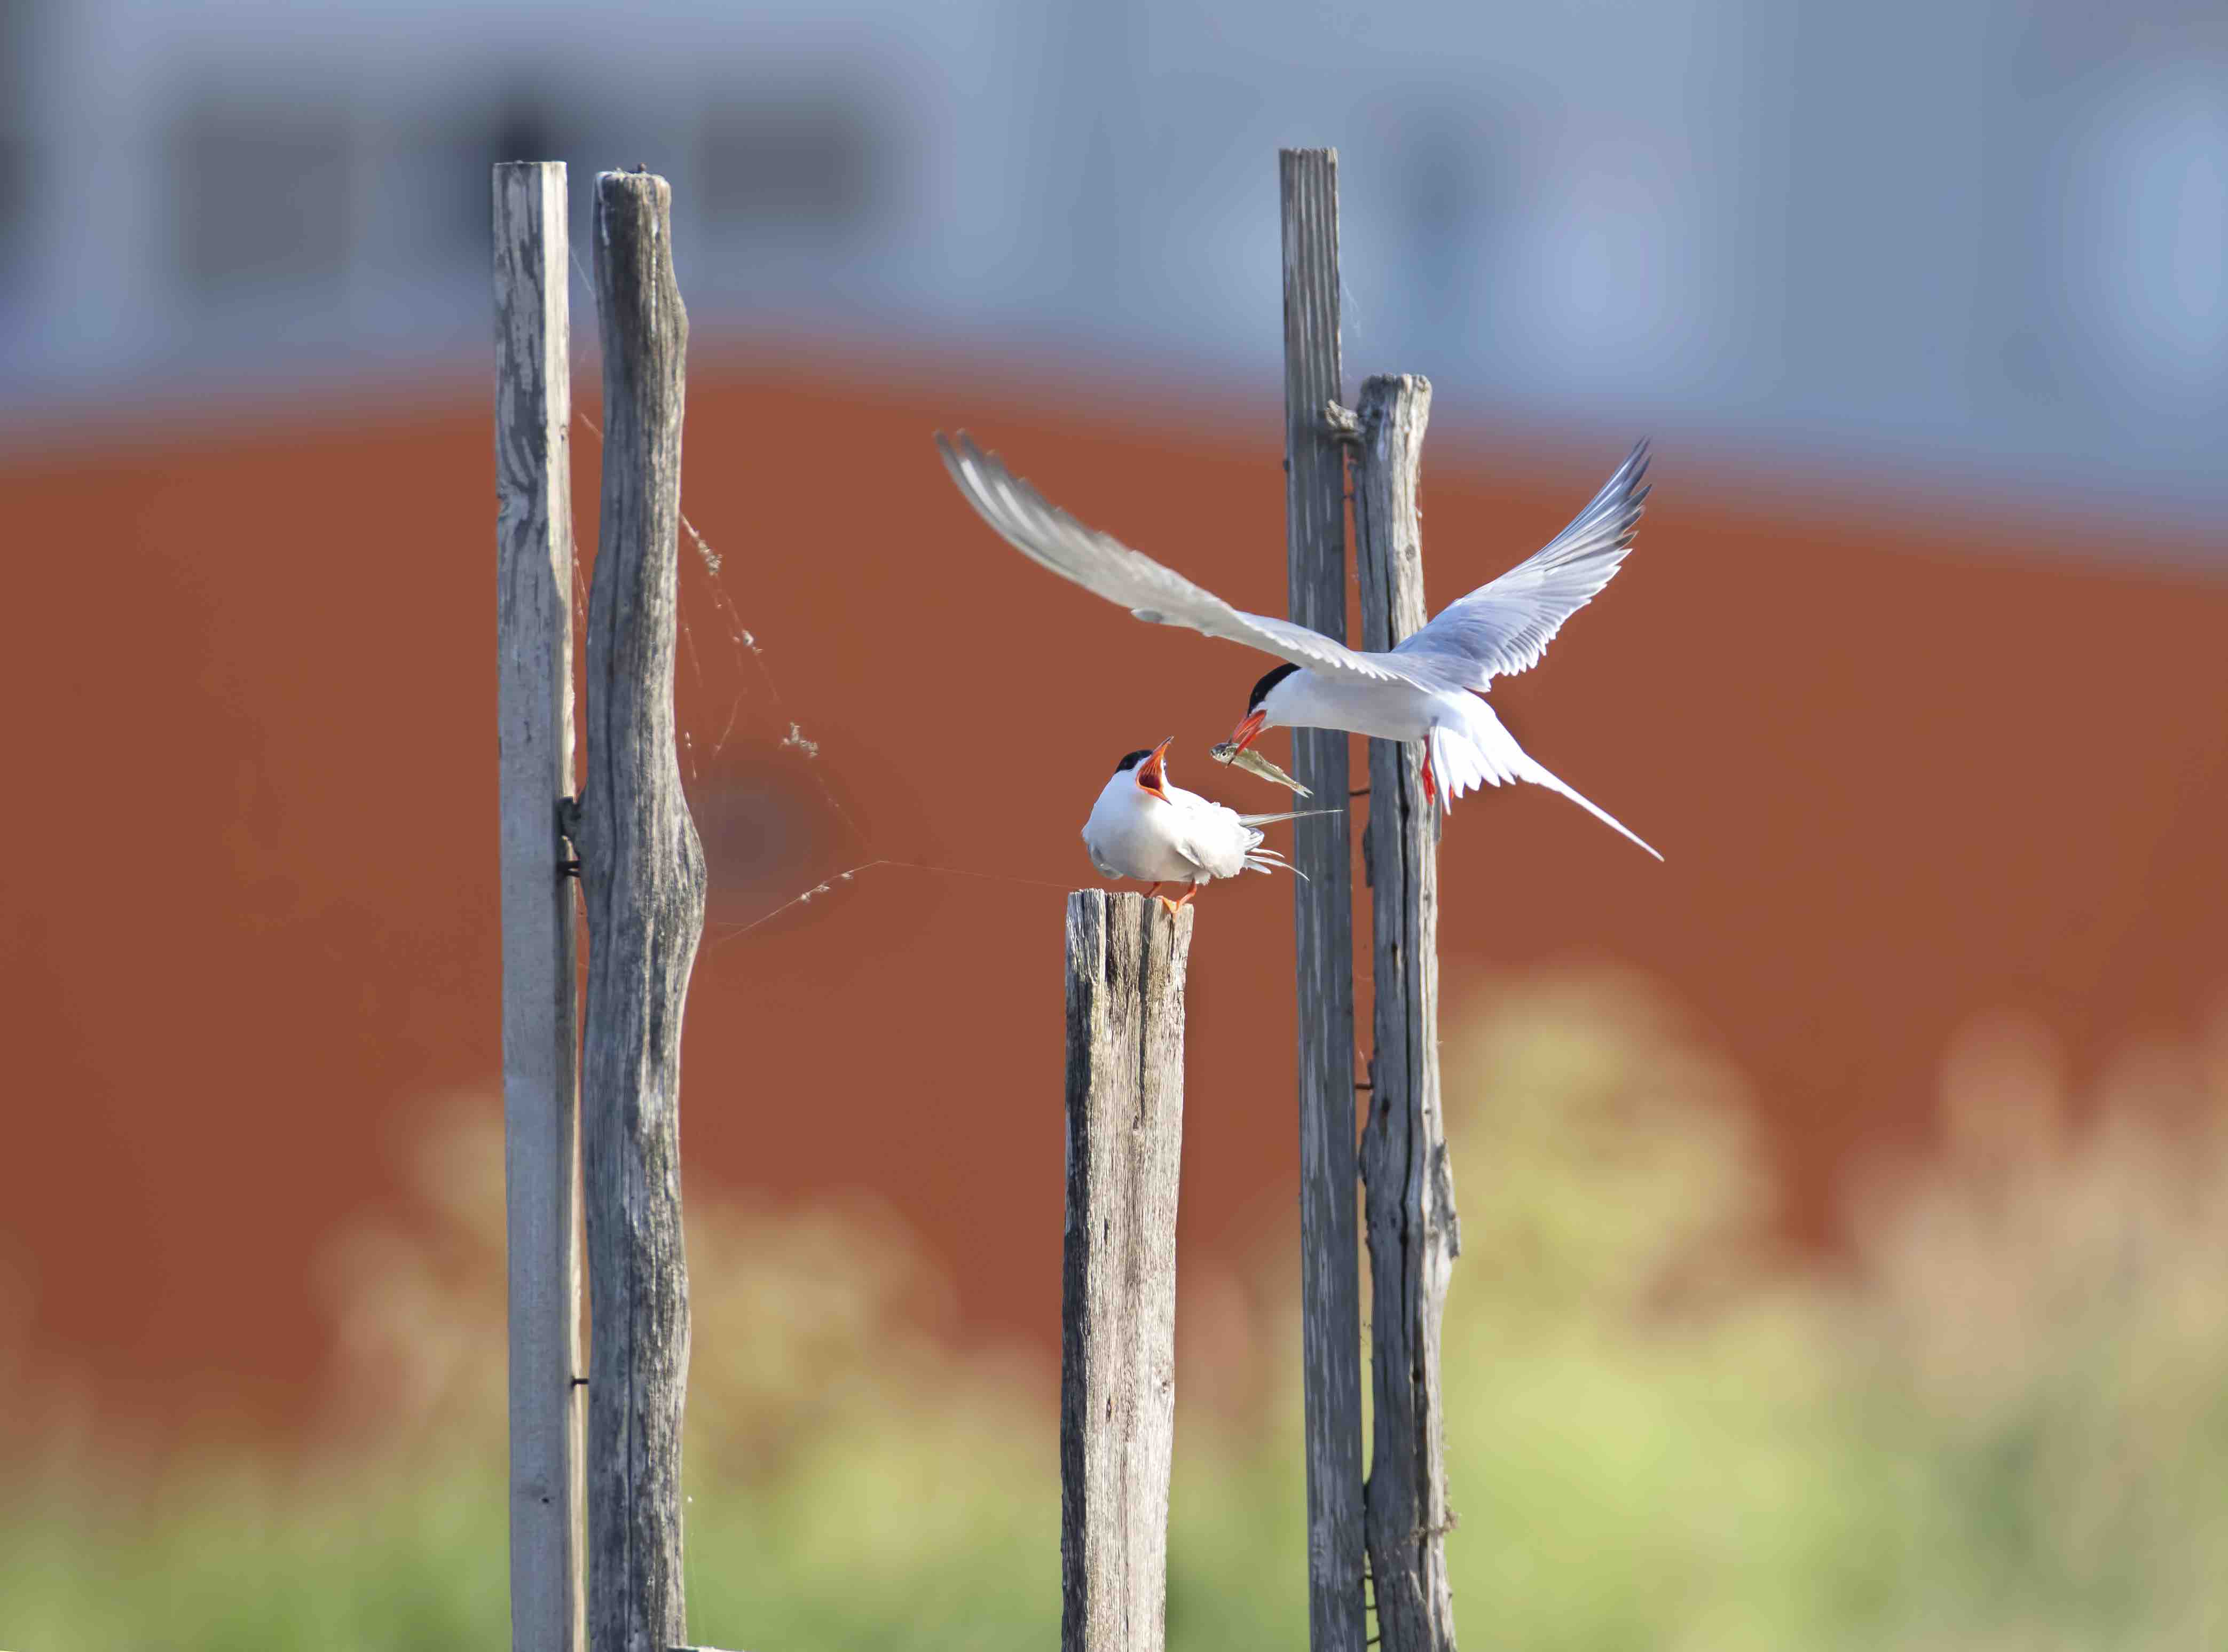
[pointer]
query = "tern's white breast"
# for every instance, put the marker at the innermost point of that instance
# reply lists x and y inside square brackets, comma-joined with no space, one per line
[1132,834]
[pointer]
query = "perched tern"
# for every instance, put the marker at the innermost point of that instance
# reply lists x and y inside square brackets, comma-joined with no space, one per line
[1145,828]
[1426,690]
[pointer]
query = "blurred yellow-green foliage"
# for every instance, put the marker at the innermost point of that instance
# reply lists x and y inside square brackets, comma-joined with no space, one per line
[2003,1423]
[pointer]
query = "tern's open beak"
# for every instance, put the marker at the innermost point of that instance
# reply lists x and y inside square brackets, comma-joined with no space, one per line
[1249,731]
[1151,775]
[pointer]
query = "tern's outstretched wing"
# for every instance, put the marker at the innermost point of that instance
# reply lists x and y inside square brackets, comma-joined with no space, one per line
[1503,628]
[1047,534]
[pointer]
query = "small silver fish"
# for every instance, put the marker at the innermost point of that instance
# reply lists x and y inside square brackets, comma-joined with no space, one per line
[1254,763]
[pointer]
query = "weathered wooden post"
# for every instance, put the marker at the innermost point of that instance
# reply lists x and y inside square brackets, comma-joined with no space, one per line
[1413,1237]
[541,1027]
[1126,962]
[1322,905]
[642,870]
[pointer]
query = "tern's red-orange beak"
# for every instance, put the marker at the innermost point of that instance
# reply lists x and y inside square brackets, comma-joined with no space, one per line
[1151,772]
[1249,731]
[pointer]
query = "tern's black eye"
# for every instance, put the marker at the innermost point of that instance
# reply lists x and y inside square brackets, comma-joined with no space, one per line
[1132,761]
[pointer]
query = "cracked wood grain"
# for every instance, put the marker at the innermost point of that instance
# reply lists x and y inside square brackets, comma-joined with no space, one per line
[1127,958]
[1409,1202]
[1330,1333]
[540,1028]
[642,870]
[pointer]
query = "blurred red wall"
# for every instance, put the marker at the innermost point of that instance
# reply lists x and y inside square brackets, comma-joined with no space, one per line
[1901,773]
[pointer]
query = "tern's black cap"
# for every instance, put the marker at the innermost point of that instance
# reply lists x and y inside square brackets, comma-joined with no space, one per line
[1261,689]
[1132,760]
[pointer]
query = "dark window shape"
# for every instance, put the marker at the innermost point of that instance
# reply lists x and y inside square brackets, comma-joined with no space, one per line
[266,190]
[1453,179]
[812,159]
[17,21]
[524,123]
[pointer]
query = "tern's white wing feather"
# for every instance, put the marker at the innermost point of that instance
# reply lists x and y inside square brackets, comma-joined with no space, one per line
[1503,628]
[1048,535]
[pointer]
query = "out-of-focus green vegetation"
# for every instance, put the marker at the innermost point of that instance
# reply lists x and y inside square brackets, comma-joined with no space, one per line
[2003,1424]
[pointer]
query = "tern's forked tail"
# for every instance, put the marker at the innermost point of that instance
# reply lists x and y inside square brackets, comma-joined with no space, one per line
[1485,753]
[1258,859]
[1540,777]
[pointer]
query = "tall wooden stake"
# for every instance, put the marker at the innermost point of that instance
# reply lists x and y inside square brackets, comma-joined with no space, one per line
[1330,1288]
[540,1029]
[643,871]
[1126,963]
[1413,1238]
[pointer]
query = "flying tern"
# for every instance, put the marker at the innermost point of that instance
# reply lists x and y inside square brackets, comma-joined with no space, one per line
[1426,690]
[1144,827]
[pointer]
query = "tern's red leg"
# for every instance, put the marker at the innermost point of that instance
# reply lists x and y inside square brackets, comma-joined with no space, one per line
[1430,780]
[1156,889]
[1189,894]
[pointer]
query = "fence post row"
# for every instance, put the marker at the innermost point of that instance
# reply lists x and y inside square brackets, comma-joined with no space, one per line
[541,1027]
[1413,1238]
[1127,959]
[1322,908]
[643,871]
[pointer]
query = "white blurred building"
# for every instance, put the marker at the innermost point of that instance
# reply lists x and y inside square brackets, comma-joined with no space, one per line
[1989,240]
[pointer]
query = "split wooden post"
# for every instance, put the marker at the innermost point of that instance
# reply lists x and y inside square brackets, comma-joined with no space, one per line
[1413,1236]
[1330,1287]
[541,1026]
[642,869]
[1126,963]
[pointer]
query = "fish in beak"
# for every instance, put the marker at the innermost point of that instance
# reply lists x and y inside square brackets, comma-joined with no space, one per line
[1152,773]
[1249,731]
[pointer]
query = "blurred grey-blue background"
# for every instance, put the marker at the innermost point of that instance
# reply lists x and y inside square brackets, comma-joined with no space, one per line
[1982,245]
[1844,1201]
